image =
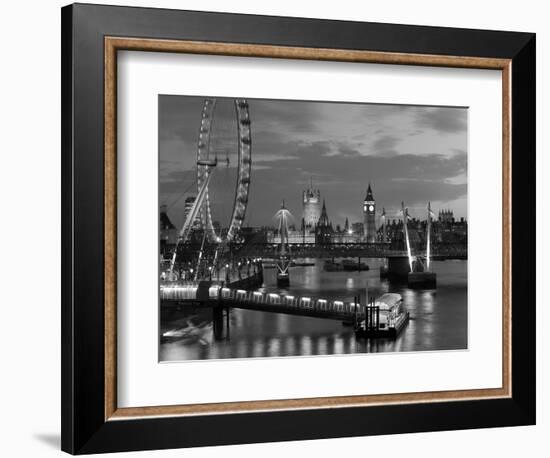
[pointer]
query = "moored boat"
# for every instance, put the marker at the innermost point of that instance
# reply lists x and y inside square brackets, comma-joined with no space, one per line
[349,265]
[385,317]
[301,264]
[332,266]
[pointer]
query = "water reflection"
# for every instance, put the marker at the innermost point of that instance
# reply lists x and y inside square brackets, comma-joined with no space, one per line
[438,319]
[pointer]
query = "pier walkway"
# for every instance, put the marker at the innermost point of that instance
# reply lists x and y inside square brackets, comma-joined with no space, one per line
[216,295]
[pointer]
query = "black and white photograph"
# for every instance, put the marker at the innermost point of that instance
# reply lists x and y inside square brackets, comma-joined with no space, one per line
[303,228]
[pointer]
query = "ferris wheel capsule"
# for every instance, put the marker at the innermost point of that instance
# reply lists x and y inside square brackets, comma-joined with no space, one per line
[208,162]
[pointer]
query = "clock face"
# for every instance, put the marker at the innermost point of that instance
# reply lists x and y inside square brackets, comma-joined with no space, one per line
[371,208]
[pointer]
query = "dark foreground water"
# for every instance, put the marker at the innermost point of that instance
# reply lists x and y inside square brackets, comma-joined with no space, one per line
[438,321]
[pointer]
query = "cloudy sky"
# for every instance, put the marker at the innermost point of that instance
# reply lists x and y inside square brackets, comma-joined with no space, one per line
[411,153]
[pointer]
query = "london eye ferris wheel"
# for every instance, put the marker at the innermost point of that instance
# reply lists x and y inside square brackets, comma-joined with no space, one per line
[207,161]
[215,197]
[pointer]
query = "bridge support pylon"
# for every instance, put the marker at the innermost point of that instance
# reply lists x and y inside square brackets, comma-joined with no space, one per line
[283,271]
[424,280]
[220,322]
[398,268]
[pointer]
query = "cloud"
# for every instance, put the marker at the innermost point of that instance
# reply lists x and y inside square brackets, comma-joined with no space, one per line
[289,117]
[459,151]
[385,143]
[271,158]
[177,182]
[447,120]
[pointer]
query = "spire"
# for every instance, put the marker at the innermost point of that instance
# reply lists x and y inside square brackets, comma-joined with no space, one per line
[323,219]
[369,193]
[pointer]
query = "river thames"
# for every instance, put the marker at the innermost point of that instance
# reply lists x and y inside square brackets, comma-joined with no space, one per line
[439,318]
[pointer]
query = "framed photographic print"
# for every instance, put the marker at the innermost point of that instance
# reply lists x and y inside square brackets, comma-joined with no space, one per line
[281,228]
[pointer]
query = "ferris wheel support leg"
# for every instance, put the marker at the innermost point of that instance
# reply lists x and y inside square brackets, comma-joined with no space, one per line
[190,219]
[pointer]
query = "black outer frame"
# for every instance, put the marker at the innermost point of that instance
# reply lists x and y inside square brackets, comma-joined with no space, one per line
[84,429]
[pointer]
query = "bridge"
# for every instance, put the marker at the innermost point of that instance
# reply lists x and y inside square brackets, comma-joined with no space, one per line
[355,250]
[440,251]
[209,294]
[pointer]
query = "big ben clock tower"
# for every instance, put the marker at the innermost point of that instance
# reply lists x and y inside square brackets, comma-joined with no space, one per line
[369,214]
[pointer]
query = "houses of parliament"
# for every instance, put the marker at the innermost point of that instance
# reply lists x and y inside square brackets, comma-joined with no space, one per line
[317,228]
